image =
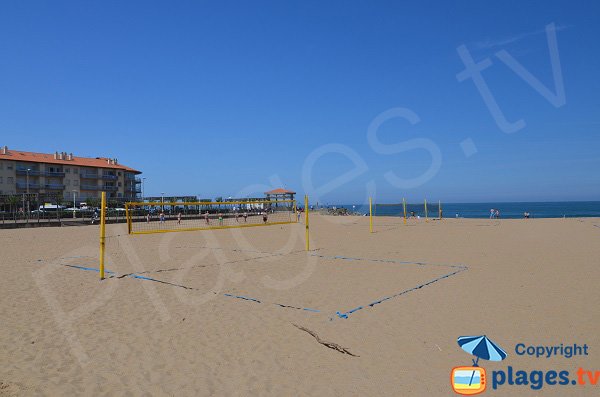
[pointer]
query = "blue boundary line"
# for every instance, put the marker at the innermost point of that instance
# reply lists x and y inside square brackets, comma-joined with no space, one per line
[346,314]
[137,276]
[339,314]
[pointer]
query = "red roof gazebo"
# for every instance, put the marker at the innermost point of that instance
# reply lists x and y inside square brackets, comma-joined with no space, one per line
[280,194]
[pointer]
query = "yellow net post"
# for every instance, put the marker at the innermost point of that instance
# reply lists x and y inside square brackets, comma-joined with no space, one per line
[306,221]
[426,217]
[404,207]
[370,215]
[102,234]
[128,217]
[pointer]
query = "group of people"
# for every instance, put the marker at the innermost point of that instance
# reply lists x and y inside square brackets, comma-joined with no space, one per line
[244,216]
[494,213]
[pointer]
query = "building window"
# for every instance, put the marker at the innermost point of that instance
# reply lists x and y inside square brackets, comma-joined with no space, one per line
[67,170]
[1,179]
[67,182]
[119,173]
[10,180]
[75,183]
[74,170]
[9,166]
[1,165]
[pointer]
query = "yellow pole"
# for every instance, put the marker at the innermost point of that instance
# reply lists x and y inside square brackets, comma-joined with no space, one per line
[102,234]
[404,206]
[426,218]
[306,221]
[370,215]
[127,215]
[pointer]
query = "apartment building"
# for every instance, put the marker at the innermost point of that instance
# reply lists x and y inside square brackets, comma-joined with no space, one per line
[65,174]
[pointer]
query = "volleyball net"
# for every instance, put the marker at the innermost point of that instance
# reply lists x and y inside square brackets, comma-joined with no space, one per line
[409,210]
[159,217]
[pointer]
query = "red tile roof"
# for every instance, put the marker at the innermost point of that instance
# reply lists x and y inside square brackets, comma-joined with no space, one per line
[100,162]
[280,191]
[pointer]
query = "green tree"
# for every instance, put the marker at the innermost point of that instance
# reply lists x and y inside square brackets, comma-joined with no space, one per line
[13,202]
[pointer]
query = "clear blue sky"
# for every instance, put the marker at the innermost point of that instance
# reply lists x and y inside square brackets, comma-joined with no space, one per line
[222,98]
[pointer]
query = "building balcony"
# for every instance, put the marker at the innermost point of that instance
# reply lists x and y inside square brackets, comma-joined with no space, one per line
[132,177]
[89,187]
[136,189]
[54,186]
[54,173]
[23,171]
[109,177]
[109,188]
[88,175]
[23,185]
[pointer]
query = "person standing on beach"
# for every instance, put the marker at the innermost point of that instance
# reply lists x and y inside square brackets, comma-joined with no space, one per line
[492,213]
[162,217]
[206,218]
[220,219]
[497,214]
[265,217]
[148,217]
[245,217]
[179,218]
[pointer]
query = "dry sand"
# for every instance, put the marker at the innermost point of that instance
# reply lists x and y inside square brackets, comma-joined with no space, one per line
[64,332]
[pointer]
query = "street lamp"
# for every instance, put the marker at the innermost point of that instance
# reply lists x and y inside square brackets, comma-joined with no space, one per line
[28,169]
[74,192]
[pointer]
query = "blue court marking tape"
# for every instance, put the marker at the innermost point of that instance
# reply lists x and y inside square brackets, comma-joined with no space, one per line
[390,261]
[346,314]
[137,276]
[339,314]
[90,269]
[243,297]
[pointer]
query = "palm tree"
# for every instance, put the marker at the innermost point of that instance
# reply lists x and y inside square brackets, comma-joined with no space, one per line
[13,202]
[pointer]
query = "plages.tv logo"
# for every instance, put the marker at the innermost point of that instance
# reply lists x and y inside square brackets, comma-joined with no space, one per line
[470,380]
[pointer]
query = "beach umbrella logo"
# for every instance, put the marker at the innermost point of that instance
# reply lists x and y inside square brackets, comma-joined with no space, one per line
[471,380]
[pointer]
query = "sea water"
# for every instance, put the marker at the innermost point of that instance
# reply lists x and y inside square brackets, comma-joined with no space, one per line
[570,209]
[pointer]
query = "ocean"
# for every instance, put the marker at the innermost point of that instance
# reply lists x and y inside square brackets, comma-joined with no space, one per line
[514,210]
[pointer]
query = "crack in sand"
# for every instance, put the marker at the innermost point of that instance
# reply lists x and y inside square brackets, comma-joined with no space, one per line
[330,345]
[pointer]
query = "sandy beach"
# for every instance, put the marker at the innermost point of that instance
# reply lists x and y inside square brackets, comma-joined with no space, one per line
[228,312]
